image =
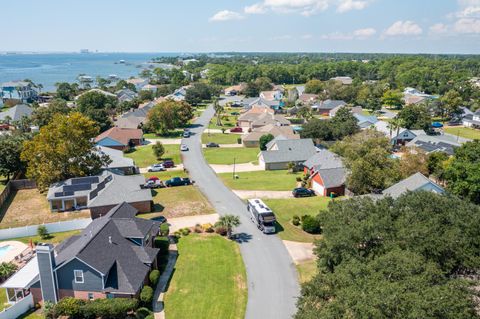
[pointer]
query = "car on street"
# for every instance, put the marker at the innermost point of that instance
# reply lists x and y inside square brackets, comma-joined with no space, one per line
[156,168]
[168,164]
[186,134]
[177,181]
[236,130]
[211,144]
[183,148]
[303,192]
[234,113]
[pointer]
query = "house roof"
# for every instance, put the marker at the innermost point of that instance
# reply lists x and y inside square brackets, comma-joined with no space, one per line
[384,127]
[122,135]
[269,95]
[413,183]
[267,118]
[343,79]
[116,156]
[438,143]
[107,188]
[329,104]
[332,177]
[17,112]
[130,122]
[104,245]
[308,97]
[324,159]
[365,120]
[282,150]
[275,130]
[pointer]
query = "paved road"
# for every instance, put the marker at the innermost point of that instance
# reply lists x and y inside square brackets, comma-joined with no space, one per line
[271,274]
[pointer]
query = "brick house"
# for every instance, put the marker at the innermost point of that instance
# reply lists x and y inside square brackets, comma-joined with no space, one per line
[120,138]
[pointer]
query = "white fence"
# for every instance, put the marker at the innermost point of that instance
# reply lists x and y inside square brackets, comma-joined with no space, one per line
[10,233]
[18,309]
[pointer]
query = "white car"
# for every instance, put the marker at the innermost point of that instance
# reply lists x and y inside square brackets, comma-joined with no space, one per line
[183,147]
[156,168]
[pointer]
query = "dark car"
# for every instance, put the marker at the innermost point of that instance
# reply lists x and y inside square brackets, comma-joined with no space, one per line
[161,219]
[211,144]
[168,164]
[234,113]
[177,181]
[236,130]
[302,192]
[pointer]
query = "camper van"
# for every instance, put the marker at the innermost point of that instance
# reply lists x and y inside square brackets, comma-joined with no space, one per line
[262,216]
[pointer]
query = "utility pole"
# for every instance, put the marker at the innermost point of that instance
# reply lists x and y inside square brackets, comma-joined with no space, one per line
[233,176]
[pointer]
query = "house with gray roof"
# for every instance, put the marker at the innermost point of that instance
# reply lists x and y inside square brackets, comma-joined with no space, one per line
[111,258]
[16,113]
[327,172]
[324,107]
[416,182]
[118,161]
[446,143]
[472,120]
[281,151]
[100,193]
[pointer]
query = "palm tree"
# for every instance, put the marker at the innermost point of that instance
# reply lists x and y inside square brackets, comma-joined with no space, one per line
[218,111]
[229,222]
[6,270]
[395,123]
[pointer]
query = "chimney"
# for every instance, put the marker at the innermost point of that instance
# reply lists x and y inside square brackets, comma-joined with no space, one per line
[46,265]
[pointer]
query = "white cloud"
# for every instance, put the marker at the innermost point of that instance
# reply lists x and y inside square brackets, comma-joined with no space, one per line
[467,25]
[226,15]
[438,28]
[257,8]
[305,7]
[403,28]
[307,36]
[349,5]
[364,33]
[337,36]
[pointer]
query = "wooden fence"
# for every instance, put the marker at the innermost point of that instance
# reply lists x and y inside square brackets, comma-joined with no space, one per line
[14,185]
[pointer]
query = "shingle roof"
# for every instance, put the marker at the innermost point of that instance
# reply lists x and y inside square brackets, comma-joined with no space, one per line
[288,150]
[122,135]
[329,104]
[333,177]
[413,183]
[437,143]
[123,261]
[324,159]
[275,130]
[17,112]
[116,157]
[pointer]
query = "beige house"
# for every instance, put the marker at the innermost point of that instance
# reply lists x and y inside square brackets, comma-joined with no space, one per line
[253,139]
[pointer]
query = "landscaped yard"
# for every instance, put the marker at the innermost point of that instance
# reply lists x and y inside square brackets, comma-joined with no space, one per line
[464,132]
[220,138]
[306,270]
[209,280]
[177,133]
[285,209]
[262,180]
[228,121]
[225,155]
[29,207]
[55,238]
[144,157]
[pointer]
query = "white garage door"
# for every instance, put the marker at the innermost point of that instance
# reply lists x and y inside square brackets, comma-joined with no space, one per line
[318,188]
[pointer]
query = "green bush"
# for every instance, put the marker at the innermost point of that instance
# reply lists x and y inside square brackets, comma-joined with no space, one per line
[146,295]
[221,230]
[162,243]
[70,307]
[142,313]
[43,232]
[298,179]
[116,308]
[311,225]
[185,231]
[296,220]
[150,316]
[164,229]
[153,276]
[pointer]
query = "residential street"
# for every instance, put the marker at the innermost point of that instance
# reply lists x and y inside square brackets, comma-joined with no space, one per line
[271,274]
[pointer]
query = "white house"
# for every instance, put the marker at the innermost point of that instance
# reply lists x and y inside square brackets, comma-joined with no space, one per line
[472,120]
[404,135]
[275,95]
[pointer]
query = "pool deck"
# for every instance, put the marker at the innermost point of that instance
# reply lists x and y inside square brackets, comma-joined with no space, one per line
[16,249]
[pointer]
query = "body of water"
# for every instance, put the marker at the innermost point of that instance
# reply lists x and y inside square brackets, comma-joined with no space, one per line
[48,69]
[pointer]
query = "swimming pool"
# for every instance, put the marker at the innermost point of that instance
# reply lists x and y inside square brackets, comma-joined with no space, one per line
[4,250]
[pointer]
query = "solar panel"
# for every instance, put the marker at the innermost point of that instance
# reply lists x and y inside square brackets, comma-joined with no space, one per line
[93,194]
[85,180]
[100,187]
[58,194]
[77,187]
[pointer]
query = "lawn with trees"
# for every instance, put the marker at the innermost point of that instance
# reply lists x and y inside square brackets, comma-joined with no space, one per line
[399,258]
[144,156]
[209,280]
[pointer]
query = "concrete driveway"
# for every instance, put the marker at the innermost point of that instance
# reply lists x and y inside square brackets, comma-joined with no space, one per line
[263,194]
[165,141]
[299,251]
[178,167]
[243,167]
[271,274]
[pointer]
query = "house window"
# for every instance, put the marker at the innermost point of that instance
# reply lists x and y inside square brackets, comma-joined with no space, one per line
[90,296]
[78,276]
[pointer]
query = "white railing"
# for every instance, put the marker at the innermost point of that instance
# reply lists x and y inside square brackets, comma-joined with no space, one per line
[17,309]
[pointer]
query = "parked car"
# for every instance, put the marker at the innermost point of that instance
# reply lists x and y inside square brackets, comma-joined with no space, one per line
[186,134]
[236,130]
[161,219]
[183,148]
[156,168]
[211,144]
[168,164]
[235,113]
[153,184]
[302,192]
[177,181]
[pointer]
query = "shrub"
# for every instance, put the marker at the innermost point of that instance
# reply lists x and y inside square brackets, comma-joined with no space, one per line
[69,306]
[239,140]
[221,230]
[150,316]
[208,228]
[162,243]
[311,225]
[299,179]
[142,313]
[302,218]
[43,232]
[198,228]
[146,295]
[296,220]
[177,234]
[164,229]
[154,276]
[158,150]
[185,231]
[109,308]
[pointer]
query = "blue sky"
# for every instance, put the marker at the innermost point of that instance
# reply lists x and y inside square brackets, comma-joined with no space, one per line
[407,26]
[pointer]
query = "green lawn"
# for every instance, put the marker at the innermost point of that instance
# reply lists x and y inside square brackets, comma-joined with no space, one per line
[285,209]
[306,270]
[209,280]
[228,121]
[3,183]
[3,299]
[144,157]
[464,132]
[225,155]
[177,133]
[55,238]
[220,138]
[262,180]
[166,174]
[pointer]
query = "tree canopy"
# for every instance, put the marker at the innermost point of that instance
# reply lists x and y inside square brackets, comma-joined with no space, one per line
[11,146]
[169,115]
[97,106]
[41,116]
[341,125]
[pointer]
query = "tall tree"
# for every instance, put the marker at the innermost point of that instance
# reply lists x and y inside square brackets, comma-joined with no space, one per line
[415,117]
[97,106]
[393,98]
[10,162]
[41,116]
[169,115]
[63,149]
[451,103]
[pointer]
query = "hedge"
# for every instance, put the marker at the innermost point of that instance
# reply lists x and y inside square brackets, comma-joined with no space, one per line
[162,243]
[146,295]
[116,308]
[154,276]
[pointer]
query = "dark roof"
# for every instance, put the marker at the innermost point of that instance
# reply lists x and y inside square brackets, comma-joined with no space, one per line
[413,183]
[105,246]
[333,177]
[324,159]
[288,150]
[330,104]
[17,112]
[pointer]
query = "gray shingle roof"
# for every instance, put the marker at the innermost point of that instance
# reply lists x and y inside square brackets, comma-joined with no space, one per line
[438,143]
[333,177]
[287,150]
[17,112]
[116,156]
[324,159]
[329,104]
[413,183]
[123,261]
